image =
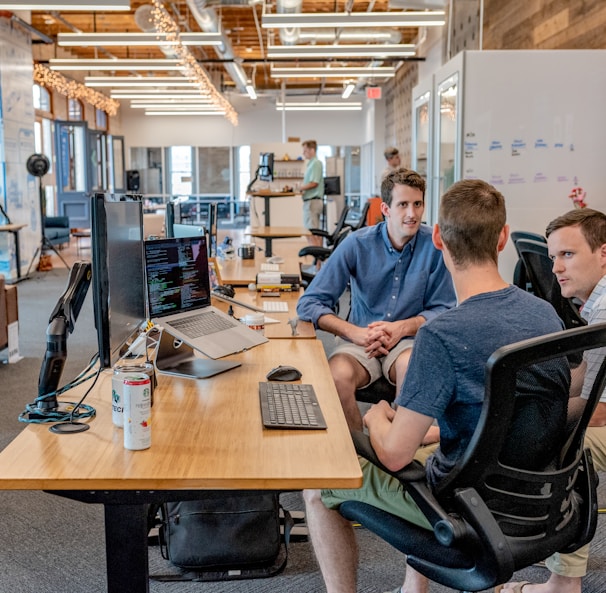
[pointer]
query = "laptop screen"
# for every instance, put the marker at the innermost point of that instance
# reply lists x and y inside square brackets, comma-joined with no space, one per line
[176,270]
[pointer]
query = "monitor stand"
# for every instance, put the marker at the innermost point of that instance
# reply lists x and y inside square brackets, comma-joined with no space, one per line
[175,357]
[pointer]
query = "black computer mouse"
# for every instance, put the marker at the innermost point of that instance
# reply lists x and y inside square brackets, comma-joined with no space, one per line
[225,290]
[284,373]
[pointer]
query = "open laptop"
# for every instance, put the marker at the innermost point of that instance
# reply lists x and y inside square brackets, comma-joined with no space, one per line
[178,296]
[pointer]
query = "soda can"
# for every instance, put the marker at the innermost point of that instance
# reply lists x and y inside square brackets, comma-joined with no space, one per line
[121,371]
[137,411]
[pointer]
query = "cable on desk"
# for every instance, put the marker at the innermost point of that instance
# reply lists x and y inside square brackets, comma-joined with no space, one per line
[66,415]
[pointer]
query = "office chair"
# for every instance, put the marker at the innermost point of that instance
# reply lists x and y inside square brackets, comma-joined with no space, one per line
[330,238]
[520,278]
[360,222]
[320,254]
[490,519]
[538,269]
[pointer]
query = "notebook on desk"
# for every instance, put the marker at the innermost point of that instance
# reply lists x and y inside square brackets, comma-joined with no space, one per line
[178,290]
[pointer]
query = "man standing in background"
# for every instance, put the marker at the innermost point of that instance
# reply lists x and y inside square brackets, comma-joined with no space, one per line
[312,191]
[392,156]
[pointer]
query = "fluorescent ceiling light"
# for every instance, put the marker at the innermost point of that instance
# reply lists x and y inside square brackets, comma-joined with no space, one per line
[313,106]
[113,64]
[354,19]
[126,39]
[140,94]
[63,5]
[184,113]
[348,90]
[135,83]
[345,72]
[165,101]
[176,107]
[250,89]
[387,50]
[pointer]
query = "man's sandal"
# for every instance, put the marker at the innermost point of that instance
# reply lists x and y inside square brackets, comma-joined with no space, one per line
[518,587]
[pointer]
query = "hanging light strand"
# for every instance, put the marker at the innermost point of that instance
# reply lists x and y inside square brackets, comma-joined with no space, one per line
[164,23]
[74,90]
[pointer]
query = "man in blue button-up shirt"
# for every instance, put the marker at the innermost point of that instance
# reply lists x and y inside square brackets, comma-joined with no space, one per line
[398,282]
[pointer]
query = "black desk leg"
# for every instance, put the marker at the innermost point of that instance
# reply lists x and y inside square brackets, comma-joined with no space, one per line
[267,198]
[126,548]
[267,246]
[17,255]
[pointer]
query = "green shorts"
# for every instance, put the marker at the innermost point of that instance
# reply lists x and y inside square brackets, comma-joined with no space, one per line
[381,490]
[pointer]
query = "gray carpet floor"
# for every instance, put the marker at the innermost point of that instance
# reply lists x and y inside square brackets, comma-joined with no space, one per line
[53,545]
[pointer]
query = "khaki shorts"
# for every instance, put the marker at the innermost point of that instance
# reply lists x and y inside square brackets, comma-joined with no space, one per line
[312,209]
[374,366]
[381,490]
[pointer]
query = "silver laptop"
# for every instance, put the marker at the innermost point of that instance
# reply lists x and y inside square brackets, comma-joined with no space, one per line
[178,298]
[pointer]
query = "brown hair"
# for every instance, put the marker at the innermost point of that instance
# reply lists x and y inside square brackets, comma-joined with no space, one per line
[310,144]
[472,215]
[401,177]
[591,222]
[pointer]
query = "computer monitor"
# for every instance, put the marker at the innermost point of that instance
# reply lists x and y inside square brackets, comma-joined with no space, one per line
[332,186]
[118,274]
[266,166]
[213,226]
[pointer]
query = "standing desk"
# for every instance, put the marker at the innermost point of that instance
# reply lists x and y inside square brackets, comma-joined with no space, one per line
[269,233]
[242,272]
[207,434]
[267,195]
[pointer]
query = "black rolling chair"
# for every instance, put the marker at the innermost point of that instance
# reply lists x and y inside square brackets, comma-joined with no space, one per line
[520,277]
[538,270]
[360,222]
[320,255]
[490,519]
[330,238]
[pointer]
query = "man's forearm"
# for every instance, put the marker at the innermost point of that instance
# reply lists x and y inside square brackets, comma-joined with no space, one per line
[411,326]
[335,325]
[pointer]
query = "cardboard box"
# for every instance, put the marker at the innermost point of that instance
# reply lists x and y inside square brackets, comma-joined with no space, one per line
[3,324]
[12,304]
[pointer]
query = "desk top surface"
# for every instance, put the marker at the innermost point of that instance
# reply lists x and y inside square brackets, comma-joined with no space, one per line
[206,434]
[242,272]
[12,227]
[282,329]
[278,231]
[267,193]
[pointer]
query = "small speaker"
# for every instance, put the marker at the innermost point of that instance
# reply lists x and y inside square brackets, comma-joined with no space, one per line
[133,180]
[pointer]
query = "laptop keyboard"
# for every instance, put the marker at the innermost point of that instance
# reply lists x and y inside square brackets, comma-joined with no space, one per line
[290,405]
[203,324]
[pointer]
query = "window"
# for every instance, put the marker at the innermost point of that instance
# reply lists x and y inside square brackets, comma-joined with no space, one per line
[42,98]
[75,110]
[100,119]
[180,172]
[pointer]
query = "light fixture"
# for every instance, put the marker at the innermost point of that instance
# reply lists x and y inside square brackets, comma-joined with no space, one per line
[141,94]
[185,113]
[129,39]
[176,107]
[165,101]
[315,106]
[65,5]
[339,20]
[327,72]
[387,50]
[348,90]
[139,81]
[114,64]
[250,89]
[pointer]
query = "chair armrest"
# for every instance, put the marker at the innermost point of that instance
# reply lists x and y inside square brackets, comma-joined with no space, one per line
[319,233]
[320,253]
[413,472]
[56,221]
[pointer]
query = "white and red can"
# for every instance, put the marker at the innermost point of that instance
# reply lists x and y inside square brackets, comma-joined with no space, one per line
[136,391]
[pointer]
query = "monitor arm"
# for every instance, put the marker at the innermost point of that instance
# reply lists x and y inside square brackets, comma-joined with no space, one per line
[62,321]
[252,182]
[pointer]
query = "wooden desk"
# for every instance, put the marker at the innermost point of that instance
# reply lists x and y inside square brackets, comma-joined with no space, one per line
[305,329]
[268,195]
[242,272]
[276,232]
[206,435]
[14,229]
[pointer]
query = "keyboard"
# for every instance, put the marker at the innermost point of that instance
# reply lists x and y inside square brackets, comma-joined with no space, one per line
[290,405]
[203,324]
[275,307]
[270,267]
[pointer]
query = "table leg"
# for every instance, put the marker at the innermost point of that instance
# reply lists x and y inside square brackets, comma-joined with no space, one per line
[17,255]
[267,246]
[126,548]
[267,198]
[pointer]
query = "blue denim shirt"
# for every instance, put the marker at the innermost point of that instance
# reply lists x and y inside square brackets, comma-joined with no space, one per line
[386,284]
